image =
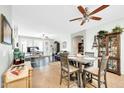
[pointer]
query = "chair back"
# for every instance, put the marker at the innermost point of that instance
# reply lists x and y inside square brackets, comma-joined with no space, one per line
[64,60]
[103,65]
[89,54]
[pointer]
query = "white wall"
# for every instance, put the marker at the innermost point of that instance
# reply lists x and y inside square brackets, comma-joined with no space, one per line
[64,38]
[108,27]
[74,43]
[122,53]
[5,50]
[68,38]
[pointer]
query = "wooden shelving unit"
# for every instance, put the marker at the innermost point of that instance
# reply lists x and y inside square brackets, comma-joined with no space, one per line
[81,47]
[110,44]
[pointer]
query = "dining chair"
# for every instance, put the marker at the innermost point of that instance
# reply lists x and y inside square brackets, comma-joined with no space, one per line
[67,69]
[90,54]
[97,73]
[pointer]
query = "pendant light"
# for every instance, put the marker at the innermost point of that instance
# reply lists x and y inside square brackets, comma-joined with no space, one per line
[95,42]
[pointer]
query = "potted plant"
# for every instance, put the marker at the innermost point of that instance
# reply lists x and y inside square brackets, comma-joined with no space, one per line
[102,38]
[117,29]
[102,33]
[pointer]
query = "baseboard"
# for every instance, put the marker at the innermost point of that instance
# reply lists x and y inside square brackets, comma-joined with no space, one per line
[122,72]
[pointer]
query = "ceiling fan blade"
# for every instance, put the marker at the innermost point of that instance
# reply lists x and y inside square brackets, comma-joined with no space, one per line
[95,18]
[75,19]
[81,9]
[99,9]
[82,22]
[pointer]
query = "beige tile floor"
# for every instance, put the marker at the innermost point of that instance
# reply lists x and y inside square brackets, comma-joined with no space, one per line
[49,77]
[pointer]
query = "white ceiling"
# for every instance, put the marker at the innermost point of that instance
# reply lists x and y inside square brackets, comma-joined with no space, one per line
[54,19]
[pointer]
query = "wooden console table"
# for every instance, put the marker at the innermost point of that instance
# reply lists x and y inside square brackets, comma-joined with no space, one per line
[23,80]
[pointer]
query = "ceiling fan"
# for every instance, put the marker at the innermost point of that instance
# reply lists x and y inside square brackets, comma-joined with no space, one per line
[88,15]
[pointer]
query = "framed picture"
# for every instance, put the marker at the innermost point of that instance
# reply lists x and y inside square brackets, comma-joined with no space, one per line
[6,31]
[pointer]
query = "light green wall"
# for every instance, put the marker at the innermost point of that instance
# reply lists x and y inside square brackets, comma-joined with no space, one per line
[5,50]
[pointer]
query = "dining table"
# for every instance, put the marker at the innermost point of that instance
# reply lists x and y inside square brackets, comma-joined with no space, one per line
[81,60]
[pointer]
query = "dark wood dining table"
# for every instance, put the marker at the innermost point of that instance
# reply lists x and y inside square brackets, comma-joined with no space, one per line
[81,60]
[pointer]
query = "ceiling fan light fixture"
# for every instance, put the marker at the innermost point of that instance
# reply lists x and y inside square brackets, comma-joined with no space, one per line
[87,15]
